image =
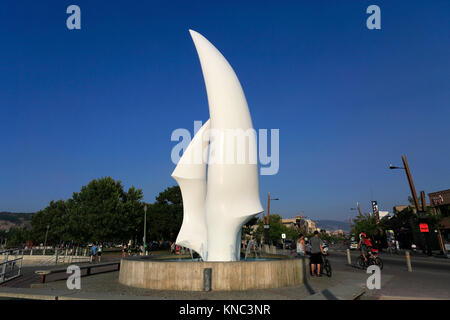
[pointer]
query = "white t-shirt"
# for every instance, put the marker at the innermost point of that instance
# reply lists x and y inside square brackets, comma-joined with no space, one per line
[300,248]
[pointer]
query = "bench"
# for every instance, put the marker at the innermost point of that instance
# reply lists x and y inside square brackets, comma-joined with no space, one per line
[44,273]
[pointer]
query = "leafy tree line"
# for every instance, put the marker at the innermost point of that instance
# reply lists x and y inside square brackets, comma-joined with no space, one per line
[277,228]
[103,211]
[405,225]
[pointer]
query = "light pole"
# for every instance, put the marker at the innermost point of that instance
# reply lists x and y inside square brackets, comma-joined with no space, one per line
[414,195]
[45,241]
[145,229]
[357,208]
[266,223]
[410,181]
[350,220]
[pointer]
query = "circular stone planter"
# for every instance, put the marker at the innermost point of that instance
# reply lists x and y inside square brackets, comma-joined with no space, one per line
[225,276]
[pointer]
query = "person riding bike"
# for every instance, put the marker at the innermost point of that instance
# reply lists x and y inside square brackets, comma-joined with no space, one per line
[365,245]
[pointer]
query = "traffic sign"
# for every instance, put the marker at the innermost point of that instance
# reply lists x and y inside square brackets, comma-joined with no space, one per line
[283,235]
[423,227]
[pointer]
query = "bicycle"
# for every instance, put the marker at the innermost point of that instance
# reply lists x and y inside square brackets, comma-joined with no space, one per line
[372,259]
[326,265]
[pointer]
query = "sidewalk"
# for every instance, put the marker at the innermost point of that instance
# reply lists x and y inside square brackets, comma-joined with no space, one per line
[343,285]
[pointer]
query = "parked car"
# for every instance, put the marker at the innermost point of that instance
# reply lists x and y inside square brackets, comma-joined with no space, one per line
[290,244]
[278,244]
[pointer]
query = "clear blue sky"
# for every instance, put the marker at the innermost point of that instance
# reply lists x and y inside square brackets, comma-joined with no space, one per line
[103,100]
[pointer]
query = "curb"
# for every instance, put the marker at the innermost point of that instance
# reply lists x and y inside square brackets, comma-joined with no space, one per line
[27,296]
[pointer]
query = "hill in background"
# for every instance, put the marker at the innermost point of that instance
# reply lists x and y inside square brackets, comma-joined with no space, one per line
[10,220]
[333,225]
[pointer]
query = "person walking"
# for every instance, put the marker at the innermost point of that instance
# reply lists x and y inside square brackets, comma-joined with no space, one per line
[301,246]
[94,249]
[316,253]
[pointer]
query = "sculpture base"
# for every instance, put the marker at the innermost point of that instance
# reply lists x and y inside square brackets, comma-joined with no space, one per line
[226,276]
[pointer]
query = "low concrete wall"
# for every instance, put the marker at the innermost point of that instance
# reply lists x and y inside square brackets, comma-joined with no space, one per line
[226,276]
[46,260]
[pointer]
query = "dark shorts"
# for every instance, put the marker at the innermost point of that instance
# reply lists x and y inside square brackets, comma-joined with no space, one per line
[99,254]
[316,258]
[364,250]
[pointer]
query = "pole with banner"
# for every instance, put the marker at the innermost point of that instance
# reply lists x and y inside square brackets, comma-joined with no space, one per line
[375,211]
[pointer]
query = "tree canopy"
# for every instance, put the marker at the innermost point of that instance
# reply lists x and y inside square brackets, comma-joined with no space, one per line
[276,229]
[103,211]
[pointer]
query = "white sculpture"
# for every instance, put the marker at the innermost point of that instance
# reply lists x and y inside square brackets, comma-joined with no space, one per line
[218,197]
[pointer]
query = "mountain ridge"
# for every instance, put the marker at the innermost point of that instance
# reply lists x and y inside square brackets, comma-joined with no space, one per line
[332,225]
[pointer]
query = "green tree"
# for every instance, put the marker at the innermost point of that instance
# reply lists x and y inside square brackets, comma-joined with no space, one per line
[247,228]
[53,216]
[166,215]
[16,237]
[366,224]
[101,211]
[276,229]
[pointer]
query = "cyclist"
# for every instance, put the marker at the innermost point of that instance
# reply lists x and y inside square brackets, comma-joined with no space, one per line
[365,245]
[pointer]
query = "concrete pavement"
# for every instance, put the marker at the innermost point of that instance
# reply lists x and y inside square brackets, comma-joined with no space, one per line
[343,285]
[430,278]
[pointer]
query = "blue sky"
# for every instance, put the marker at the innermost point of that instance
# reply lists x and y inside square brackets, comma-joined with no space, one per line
[103,100]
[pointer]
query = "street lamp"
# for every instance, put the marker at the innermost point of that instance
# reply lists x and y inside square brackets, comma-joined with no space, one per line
[45,242]
[357,208]
[410,181]
[145,229]
[266,223]
[416,200]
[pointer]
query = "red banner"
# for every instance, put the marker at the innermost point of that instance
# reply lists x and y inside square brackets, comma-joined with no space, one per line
[423,227]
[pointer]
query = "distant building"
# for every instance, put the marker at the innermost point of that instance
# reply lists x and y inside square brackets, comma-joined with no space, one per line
[400,208]
[339,233]
[440,201]
[383,214]
[305,224]
[289,222]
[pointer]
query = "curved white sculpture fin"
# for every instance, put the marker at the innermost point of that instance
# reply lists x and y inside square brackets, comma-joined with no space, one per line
[190,173]
[232,196]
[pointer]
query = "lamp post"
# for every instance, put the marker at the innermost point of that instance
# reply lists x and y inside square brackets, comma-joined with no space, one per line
[145,229]
[266,222]
[359,209]
[410,181]
[45,242]
[414,195]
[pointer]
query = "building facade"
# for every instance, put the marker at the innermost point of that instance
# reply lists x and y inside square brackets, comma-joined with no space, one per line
[440,201]
[305,224]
